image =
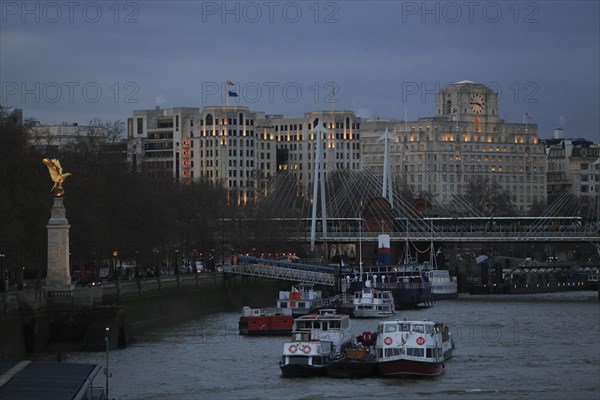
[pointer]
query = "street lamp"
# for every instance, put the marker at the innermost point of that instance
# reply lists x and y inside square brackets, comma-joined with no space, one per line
[115,254]
[137,268]
[176,262]
[3,284]
[106,336]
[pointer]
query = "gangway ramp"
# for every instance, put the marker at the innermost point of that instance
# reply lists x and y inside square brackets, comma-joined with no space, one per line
[281,273]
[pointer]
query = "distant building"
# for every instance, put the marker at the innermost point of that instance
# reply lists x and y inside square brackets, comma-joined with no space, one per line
[14,115]
[296,144]
[239,148]
[160,141]
[573,167]
[230,148]
[437,157]
[48,138]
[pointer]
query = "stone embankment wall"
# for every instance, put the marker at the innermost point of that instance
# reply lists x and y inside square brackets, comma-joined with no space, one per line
[81,319]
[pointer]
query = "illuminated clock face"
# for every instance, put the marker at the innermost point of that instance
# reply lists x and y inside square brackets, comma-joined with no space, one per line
[477,103]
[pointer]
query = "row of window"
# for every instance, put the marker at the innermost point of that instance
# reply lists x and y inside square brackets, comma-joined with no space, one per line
[225,121]
[468,178]
[397,148]
[234,164]
[234,183]
[298,146]
[234,173]
[210,142]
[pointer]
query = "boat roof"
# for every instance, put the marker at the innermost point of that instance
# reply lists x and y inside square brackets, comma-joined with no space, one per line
[325,313]
[423,322]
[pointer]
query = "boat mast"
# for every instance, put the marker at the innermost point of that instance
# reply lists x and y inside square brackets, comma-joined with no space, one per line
[360,262]
[432,261]
[407,257]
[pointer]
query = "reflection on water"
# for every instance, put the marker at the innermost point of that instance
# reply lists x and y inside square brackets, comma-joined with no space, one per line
[507,347]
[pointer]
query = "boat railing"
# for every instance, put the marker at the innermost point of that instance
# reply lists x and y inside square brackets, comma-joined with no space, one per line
[342,298]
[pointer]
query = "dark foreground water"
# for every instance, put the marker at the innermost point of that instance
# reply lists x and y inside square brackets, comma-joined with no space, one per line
[543,346]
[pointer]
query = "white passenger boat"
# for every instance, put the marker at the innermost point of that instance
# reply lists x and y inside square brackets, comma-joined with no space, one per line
[317,339]
[412,348]
[443,286]
[373,303]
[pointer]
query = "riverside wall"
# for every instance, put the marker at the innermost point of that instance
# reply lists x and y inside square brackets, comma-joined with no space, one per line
[78,321]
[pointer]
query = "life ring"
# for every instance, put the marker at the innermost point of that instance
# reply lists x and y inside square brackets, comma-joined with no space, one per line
[293,348]
[387,340]
[306,349]
[420,340]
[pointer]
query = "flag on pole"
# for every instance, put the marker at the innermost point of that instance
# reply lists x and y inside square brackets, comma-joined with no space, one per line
[229,83]
[232,93]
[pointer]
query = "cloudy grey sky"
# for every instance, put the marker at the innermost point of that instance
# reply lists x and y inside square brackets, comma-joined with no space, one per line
[75,60]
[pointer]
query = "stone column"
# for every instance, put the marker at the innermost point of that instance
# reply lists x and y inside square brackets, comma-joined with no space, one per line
[59,274]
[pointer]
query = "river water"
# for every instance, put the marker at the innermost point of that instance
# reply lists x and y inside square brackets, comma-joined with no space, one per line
[540,346]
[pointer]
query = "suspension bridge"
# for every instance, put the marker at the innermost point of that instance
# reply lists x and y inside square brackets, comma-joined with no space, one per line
[351,205]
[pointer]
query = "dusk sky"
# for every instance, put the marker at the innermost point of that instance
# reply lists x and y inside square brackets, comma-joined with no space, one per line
[73,61]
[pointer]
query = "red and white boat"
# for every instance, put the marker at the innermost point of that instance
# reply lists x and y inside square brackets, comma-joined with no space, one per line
[299,300]
[266,321]
[411,348]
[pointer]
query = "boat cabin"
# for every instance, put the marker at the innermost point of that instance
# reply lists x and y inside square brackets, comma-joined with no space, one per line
[409,339]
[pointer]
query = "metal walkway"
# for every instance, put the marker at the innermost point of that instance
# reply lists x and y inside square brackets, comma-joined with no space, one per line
[281,273]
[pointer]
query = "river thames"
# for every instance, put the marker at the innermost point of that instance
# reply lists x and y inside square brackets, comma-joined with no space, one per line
[540,346]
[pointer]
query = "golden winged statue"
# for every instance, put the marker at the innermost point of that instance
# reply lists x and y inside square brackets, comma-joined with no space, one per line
[57,175]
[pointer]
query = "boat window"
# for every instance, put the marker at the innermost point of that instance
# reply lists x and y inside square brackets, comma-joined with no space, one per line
[405,327]
[325,325]
[418,328]
[317,360]
[283,304]
[428,353]
[380,328]
[415,352]
[393,351]
[429,329]
[390,328]
[334,324]
[299,360]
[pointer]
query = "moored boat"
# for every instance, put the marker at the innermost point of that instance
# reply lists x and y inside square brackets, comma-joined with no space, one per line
[373,303]
[316,341]
[299,300]
[443,286]
[265,321]
[411,348]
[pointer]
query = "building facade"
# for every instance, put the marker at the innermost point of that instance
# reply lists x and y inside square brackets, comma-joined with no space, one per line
[227,148]
[239,148]
[296,143]
[573,167]
[160,141]
[437,157]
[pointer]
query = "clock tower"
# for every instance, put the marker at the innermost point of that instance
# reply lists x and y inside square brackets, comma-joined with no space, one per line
[468,101]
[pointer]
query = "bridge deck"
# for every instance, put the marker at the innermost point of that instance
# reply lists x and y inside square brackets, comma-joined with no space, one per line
[281,273]
[467,237]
